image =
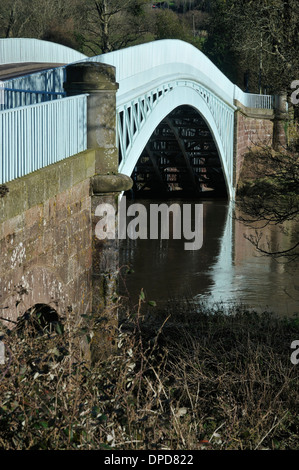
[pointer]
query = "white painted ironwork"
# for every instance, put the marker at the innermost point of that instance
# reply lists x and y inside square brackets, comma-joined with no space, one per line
[13,97]
[17,50]
[155,78]
[34,136]
[46,81]
[260,101]
[137,114]
[1,93]
[251,100]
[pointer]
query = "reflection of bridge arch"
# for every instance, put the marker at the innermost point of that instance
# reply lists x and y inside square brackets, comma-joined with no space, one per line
[171,271]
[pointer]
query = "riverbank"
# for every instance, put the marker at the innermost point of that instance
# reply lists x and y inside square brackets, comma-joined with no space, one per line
[179,379]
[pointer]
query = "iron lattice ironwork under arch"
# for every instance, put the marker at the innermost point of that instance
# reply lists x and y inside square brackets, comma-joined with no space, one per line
[180,157]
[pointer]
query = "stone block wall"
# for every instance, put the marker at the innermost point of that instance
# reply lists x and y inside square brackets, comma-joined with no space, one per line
[46,239]
[252,129]
[50,252]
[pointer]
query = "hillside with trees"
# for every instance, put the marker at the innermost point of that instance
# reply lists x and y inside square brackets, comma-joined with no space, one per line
[254,43]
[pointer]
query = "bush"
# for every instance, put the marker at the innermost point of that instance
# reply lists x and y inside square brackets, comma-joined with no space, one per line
[183,378]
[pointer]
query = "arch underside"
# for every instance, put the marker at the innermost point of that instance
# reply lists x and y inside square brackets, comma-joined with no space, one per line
[177,137]
[180,157]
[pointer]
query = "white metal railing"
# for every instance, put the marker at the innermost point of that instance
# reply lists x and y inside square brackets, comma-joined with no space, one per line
[14,50]
[259,101]
[175,59]
[251,100]
[35,136]
[45,81]
[14,97]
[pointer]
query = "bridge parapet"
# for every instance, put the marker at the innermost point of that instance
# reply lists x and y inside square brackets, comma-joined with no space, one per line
[39,135]
[14,50]
[146,66]
[14,97]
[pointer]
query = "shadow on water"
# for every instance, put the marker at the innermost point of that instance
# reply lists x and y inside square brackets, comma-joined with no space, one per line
[226,269]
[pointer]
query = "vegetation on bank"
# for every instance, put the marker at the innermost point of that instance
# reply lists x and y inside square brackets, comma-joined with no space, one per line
[180,378]
[268,195]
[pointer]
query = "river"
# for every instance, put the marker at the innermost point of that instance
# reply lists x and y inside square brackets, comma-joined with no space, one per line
[226,270]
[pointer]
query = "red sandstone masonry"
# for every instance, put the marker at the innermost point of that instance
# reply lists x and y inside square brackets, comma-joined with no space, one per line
[50,254]
[249,133]
[46,254]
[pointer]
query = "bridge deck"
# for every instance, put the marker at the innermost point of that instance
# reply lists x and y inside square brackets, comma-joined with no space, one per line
[8,71]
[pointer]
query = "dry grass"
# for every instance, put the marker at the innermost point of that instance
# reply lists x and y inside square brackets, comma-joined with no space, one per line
[179,379]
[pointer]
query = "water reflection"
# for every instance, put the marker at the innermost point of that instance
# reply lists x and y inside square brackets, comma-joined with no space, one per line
[226,269]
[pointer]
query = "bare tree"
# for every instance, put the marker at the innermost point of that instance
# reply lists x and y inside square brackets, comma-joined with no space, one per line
[113,24]
[262,37]
[42,19]
[270,196]
[15,16]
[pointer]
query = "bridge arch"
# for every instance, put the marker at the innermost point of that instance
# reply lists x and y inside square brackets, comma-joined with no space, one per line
[135,126]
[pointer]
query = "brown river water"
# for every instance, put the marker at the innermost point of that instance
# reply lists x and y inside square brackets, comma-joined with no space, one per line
[227,269]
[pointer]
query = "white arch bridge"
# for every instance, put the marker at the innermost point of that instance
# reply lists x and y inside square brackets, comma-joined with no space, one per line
[175,109]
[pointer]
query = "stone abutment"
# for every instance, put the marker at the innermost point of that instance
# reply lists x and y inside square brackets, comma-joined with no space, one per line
[50,255]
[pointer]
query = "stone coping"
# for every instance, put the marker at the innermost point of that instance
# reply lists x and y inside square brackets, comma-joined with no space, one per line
[35,188]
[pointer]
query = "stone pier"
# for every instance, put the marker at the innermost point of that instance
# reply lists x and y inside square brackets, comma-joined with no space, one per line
[98,80]
[255,128]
